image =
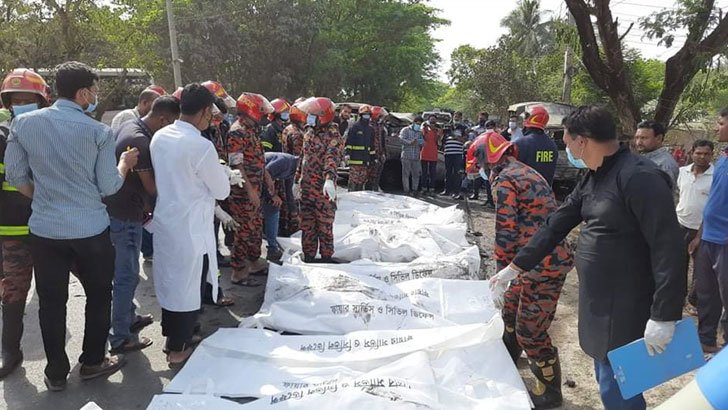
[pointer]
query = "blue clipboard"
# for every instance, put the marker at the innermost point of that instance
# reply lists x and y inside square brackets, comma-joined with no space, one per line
[636,371]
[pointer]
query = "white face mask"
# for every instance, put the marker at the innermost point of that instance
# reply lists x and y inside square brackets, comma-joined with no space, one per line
[311,120]
[512,125]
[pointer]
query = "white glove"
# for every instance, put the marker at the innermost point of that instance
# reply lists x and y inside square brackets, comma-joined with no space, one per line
[297,192]
[330,190]
[227,221]
[236,178]
[499,284]
[658,335]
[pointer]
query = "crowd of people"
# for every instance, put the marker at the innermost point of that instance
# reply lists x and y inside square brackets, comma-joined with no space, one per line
[83,198]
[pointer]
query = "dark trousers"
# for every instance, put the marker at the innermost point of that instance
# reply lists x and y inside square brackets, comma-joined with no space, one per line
[427,179]
[94,257]
[179,327]
[689,235]
[609,390]
[454,165]
[475,184]
[711,283]
[147,245]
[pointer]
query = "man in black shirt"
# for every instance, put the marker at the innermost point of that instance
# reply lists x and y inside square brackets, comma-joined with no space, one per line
[630,251]
[128,209]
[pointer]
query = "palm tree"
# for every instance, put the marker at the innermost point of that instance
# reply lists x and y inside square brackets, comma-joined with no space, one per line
[528,33]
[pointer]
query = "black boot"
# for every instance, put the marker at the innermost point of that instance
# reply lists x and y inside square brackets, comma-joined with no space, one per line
[547,392]
[509,338]
[12,332]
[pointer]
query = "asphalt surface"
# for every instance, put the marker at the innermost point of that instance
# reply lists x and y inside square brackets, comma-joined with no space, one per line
[145,372]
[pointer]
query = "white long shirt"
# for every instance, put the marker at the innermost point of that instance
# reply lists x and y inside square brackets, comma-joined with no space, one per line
[189,179]
[694,191]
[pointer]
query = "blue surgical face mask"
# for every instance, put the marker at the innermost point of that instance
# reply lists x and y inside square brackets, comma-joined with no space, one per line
[366,117]
[416,127]
[577,162]
[92,106]
[285,116]
[311,120]
[483,174]
[22,109]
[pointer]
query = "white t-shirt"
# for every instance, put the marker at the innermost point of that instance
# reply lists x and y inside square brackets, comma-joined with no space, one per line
[694,193]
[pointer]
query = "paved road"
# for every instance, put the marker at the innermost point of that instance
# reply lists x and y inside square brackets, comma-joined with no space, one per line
[145,373]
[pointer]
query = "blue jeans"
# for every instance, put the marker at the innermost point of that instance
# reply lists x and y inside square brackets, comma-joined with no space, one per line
[147,244]
[609,390]
[127,240]
[271,217]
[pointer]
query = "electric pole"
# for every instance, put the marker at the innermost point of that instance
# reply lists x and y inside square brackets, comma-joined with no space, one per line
[569,69]
[173,45]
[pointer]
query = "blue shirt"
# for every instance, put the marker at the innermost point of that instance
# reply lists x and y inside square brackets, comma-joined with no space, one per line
[69,158]
[715,215]
[537,150]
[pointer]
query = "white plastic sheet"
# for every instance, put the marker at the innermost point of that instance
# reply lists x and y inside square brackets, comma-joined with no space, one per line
[464,265]
[314,300]
[469,365]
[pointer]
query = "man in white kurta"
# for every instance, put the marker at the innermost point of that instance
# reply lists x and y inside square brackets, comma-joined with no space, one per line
[189,179]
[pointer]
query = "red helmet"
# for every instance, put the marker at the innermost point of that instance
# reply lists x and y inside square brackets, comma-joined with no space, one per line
[280,106]
[378,112]
[365,109]
[321,107]
[297,116]
[178,94]
[157,89]
[23,80]
[488,148]
[536,117]
[254,106]
[218,90]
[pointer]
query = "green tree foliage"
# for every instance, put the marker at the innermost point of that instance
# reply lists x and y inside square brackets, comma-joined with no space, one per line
[378,51]
[528,33]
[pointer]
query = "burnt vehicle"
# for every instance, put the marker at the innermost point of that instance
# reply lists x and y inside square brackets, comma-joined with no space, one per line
[566,175]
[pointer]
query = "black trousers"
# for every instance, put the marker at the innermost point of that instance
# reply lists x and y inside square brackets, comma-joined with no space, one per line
[179,327]
[689,235]
[94,268]
[711,282]
[454,164]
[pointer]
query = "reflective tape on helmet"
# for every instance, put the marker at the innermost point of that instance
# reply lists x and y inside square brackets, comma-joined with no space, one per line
[8,187]
[14,230]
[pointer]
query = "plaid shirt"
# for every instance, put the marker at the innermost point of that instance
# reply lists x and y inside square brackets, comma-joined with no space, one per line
[410,150]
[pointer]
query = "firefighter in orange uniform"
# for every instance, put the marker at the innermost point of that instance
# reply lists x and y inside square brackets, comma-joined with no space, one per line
[22,91]
[323,150]
[246,154]
[380,148]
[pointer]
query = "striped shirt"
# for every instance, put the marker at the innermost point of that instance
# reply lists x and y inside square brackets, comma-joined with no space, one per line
[70,160]
[453,146]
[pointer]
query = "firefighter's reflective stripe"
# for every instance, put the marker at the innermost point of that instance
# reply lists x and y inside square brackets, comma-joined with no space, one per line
[9,188]
[14,230]
[2,168]
[356,162]
[267,144]
[373,152]
[356,147]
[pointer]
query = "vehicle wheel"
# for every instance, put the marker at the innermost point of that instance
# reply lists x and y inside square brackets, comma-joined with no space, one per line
[391,176]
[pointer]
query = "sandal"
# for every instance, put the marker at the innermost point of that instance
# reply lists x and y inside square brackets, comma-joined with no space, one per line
[225,302]
[194,341]
[178,365]
[140,322]
[132,346]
